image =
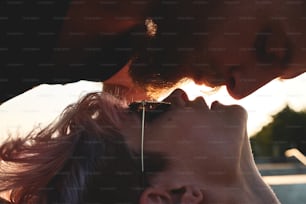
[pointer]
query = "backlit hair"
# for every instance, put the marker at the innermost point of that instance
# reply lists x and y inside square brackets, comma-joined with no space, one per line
[80,158]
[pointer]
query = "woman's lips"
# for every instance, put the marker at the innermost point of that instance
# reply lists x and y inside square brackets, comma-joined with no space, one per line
[180,98]
[215,104]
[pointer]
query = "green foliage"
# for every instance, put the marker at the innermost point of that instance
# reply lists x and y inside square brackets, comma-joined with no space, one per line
[288,130]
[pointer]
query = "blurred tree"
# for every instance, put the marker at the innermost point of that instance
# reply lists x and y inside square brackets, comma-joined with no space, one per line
[288,130]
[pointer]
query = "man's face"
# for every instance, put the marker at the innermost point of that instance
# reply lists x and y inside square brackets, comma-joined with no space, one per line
[241,44]
[249,43]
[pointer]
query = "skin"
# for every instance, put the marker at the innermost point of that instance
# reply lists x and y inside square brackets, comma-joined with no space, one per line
[237,35]
[208,152]
[122,85]
[222,35]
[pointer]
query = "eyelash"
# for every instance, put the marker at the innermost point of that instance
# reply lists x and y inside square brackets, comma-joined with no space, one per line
[153,109]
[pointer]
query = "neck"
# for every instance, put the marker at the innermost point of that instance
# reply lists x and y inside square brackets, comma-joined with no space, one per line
[122,86]
[244,184]
[233,180]
[115,90]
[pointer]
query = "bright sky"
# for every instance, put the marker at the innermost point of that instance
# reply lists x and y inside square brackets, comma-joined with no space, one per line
[43,104]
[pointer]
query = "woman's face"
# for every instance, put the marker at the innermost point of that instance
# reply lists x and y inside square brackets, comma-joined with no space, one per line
[192,135]
[206,148]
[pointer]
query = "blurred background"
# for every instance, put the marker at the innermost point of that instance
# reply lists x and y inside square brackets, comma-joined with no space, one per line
[279,150]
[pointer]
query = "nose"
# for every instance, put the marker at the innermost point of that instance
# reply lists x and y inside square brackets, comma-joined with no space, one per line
[243,81]
[272,55]
[177,98]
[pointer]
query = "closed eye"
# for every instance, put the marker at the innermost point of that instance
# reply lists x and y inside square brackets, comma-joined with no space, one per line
[152,108]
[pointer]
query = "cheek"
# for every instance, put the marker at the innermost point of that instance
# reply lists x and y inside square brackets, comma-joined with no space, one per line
[220,137]
[166,134]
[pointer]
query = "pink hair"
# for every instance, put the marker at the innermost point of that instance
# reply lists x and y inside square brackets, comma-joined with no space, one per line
[29,164]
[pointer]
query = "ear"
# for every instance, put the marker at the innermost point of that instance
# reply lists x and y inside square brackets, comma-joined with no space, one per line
[154,195]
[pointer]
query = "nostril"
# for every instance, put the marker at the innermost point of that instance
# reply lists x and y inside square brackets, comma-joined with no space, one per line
[184,97]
